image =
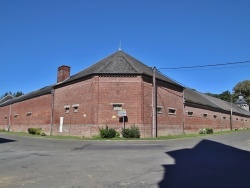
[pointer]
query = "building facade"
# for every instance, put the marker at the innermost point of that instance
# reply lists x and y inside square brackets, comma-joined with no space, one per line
[82,103]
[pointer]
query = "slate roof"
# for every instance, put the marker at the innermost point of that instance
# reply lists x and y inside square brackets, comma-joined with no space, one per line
[193,96]
[43,91]
[6,98]
[122,64]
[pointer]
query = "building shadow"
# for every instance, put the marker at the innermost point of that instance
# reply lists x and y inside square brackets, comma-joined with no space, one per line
[4,140]
[208,164]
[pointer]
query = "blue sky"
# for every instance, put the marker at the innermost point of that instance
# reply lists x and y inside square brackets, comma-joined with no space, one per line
[36,37]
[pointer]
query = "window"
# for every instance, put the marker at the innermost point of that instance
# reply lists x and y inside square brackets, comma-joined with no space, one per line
[172,111]
[15,115]
[75,108]
[190,113]
[215,116]
[28,114]
[66,109]
[5,117]
[224,117]
[159,110]
[237,119]
[204,115]
[117,106]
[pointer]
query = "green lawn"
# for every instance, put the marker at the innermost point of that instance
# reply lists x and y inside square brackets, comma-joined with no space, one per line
[99,138]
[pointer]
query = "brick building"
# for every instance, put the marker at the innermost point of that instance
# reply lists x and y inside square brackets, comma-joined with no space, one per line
[92,98]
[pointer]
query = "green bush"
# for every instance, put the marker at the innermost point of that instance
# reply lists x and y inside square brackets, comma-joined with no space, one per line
[132,132]
[107,133]
[206,131]
[35,131]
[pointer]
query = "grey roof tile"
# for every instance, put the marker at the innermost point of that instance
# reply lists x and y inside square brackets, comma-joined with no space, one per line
[200,98]
[119,63]
[6,98]
[30,95]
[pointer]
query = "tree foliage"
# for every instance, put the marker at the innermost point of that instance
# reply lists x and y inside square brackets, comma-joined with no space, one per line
[243,88]
[15,94]
[225,96]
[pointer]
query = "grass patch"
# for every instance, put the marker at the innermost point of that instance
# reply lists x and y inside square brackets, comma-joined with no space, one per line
[98,137]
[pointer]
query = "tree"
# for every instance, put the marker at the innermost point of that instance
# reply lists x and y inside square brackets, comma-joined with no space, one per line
[225,96]
[18,94]
[243,88]
[15,94]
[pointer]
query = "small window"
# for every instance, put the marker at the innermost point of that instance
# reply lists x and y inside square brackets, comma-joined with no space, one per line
[15,115]
[117,106]
[204,115]
[66,108]
[224,117]
[28,114]
[159,110]
[75,108]
[237,119]
[190,113]
[5,117]
[215,116]
[171,111]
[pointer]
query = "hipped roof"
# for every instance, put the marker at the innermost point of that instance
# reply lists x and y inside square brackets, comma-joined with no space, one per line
[119,63]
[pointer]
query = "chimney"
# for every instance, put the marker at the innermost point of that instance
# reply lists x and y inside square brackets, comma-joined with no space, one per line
[63,73]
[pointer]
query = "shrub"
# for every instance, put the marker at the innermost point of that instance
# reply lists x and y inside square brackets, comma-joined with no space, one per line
[132,132]
[35,131]
[206,131]
[107,133]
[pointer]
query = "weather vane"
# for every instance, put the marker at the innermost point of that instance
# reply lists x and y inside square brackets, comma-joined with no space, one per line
[120,45]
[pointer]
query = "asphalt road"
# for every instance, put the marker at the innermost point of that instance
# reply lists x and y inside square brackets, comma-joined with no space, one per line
[214,161]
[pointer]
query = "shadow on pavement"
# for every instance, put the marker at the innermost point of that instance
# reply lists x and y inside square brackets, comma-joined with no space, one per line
[4,140]
[208,164]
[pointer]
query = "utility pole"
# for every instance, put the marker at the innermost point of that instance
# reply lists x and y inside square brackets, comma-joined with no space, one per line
[154,106]
[231,113]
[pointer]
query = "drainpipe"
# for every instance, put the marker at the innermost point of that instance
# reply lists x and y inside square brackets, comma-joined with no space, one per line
[52,111]
[183,115]
[231,115]
[9,119]
[154,106]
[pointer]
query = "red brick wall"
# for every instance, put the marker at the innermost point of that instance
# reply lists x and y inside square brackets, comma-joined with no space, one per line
[40,109]
[168,96]
[220,122]
[4,117]
[95,98]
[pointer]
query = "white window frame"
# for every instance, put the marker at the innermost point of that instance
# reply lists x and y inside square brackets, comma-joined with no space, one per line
[117,106]
[28,113]
[205,115]
[159,109]
[66,108]
[190,115]
[170,113]
[75,108]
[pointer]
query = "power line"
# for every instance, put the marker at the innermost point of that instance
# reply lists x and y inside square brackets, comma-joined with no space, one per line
[204,69]
[203,66]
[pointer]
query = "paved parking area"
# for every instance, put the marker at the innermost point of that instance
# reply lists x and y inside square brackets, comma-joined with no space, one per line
[213,161]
